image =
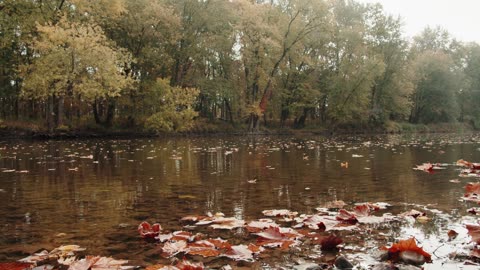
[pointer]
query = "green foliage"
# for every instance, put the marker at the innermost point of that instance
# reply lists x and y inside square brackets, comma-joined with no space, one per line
[435,87]
[173,106]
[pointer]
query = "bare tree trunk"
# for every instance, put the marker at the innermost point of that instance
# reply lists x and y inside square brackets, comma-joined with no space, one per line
[96,113]
[110,113]
[60,111]
[50,114]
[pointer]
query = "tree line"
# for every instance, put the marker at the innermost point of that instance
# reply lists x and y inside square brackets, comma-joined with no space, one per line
[168,65]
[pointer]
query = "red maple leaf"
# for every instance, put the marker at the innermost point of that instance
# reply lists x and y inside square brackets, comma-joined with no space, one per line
[148,231]
[474,232]
[472,188]
[406,245]
[346,217]
[14,266]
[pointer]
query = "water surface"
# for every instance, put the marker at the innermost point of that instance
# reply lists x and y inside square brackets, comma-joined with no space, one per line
[94,193]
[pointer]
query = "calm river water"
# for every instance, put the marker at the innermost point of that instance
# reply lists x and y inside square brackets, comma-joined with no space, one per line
[94,193]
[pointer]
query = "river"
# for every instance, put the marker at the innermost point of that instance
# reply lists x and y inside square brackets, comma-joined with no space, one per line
[95,192]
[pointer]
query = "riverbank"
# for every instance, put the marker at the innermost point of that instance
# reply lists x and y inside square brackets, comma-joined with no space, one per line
[30,130]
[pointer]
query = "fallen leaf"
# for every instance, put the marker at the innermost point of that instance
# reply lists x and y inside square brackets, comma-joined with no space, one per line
[186,265]
[227,223]
[148,231]
[452,235]
[275,237]
[279,213]
[203,248]
[346,217]
[412,213]
[14,266]
[475,253]
[474,232]
[240,253]
[330,243]
[426,167]
[173,248]
[259,225]
[408,246]
[36,257]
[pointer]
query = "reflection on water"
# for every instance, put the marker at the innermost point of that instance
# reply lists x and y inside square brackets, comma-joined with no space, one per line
[97,191]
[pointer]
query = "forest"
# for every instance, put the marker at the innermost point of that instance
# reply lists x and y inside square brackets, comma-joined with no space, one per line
[200,65]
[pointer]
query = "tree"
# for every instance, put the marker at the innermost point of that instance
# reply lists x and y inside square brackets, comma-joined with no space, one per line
[391,89]
[172,108]
[433,99]
[76,60]
[469,95]
[436,77]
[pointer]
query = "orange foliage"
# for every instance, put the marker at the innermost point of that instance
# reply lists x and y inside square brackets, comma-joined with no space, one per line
[406,245]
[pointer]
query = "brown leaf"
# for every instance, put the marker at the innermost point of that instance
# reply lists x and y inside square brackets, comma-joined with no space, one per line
[330,243]
[240,253]
[412,213]
[14,266]
[474,232]
[346,217]
[426,167]
[172,248]
[203,248]
[452,235]
[279,213]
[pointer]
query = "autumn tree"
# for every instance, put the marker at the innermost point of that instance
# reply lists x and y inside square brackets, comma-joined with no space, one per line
[389,94]
[75,60]
[436,78]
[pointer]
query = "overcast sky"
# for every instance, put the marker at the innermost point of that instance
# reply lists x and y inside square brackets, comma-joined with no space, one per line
[461,18]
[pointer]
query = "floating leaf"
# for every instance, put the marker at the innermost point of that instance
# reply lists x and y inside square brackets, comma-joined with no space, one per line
[148,231]
[173,248]
[452,235]
[227,223]
[330,243]
[409,246]
[259,225]
[464,163]
[183,265]
[36,257]
[412,213]
[474,232]
[240,253]
[278,237]
[426,167]
[346,217]
[14,266]
[203,248]
[279,213]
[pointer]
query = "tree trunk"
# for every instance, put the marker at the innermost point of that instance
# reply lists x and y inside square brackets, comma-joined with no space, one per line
[50,114]
[284,116]
[96,114]
[110,113]
[253,122]
[60,111]
[229,111]
[300,122]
